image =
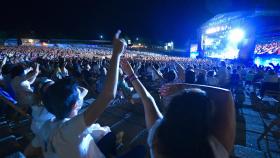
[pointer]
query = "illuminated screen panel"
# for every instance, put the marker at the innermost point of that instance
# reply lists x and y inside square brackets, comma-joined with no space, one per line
[222,43]
[194,54]
[265,61]
[193,48]
[268,48]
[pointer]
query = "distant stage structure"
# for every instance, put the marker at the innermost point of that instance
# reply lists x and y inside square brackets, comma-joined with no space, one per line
[243,35]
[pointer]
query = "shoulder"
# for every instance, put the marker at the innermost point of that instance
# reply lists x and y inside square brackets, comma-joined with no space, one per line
[69,129]
[218,149]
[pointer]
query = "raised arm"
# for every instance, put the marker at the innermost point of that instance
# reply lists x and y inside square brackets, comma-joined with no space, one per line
[110,88]
[152,112]
[31,76]
[181,71]
[2,64]
[83,91]
[224,119]
[157,73]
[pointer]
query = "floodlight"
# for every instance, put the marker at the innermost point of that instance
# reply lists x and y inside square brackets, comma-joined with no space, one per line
[236,35]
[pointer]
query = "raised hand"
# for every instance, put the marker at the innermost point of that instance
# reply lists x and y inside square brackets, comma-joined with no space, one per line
[126,67]
[36,68]
[118,44]
[3,62]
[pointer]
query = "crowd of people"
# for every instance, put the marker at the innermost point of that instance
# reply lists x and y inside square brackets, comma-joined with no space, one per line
[272,48]
[198,121]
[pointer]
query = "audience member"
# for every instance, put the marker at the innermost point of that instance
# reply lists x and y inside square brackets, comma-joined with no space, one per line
[211,133]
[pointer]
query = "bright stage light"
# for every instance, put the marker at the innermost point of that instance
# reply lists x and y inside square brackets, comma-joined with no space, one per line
[236,35]
[45,44]
[208,41]
[210,30]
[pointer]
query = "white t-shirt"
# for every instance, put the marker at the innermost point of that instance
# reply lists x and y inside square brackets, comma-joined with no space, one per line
[70,138]
[39,116]
[218,149]
[22,89]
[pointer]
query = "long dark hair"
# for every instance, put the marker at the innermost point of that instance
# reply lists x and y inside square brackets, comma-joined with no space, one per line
[185,129]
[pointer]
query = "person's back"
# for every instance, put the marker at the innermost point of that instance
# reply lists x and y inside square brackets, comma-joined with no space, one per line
[250,76]
[270,82]
[21,85]
[63,70]
[39,113]
[170,76]
[193,126]
[190,76]
[211,79]
[201,79]
[223,76]
[5,79]
[271,77]
[64,136]
[243,72]
[70,138]
[234,78]
[186,131]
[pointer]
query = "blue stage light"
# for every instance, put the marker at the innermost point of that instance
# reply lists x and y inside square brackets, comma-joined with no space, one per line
[236,35]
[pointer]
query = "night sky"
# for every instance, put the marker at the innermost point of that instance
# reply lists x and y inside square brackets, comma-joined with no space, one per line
[156,20]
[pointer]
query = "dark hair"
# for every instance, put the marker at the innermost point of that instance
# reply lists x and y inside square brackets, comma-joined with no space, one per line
[6,69]
[169,76]
[223,63]
[211,73]
[60,97]
[189,76]
[185,129]
[271,72]
[61,62]
[201,79]
[238,67]
[156,66]
[18,70]
[41,84]
[229,68]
